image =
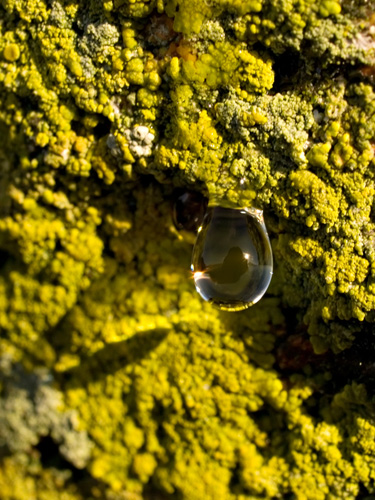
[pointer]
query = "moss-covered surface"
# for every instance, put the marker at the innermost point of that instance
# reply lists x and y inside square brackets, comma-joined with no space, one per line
[117,381]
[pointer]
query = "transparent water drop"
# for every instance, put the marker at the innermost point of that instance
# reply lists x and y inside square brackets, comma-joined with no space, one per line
[232,258]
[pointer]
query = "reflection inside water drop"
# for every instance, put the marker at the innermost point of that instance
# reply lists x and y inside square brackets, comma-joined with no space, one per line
[232,258]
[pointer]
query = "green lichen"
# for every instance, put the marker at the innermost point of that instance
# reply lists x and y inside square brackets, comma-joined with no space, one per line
[39,483]
[116,381]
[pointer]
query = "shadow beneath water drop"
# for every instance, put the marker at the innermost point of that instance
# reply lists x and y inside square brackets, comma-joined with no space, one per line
[113,357]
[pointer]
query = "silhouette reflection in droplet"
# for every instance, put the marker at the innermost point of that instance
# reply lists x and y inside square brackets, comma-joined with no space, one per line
[232,258]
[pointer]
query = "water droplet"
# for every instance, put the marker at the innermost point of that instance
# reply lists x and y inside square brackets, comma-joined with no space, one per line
[188,210]
[232,258]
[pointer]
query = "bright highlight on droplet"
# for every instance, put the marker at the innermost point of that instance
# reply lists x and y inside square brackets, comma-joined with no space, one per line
[232,258]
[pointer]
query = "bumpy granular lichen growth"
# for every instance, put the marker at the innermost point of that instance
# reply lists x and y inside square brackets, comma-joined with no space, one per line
[117,382]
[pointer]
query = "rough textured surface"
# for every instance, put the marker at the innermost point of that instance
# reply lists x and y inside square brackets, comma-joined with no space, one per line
[117,381]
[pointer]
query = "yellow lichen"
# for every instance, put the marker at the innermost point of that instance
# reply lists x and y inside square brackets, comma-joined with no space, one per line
[106,107]
[12,52]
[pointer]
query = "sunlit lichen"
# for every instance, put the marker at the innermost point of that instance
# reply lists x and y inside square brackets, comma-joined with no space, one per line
[105,108]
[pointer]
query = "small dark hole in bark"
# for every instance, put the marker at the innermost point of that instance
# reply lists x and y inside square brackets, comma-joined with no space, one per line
[286,68]
[102,128]
[4,256]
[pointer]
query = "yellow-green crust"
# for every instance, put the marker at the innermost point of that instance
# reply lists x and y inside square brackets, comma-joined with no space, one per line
[117,382]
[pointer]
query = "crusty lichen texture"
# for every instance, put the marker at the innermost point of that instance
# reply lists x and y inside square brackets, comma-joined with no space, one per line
[117,381]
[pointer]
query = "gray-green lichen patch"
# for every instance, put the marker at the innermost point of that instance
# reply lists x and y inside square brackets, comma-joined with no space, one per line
[31,409]
[105,108]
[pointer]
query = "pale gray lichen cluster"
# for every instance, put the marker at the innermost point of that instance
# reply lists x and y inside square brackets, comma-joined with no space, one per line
[31,409]
[105,108]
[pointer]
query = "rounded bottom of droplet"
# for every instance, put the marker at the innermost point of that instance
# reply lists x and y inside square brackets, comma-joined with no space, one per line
[237,297]
[232,307]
